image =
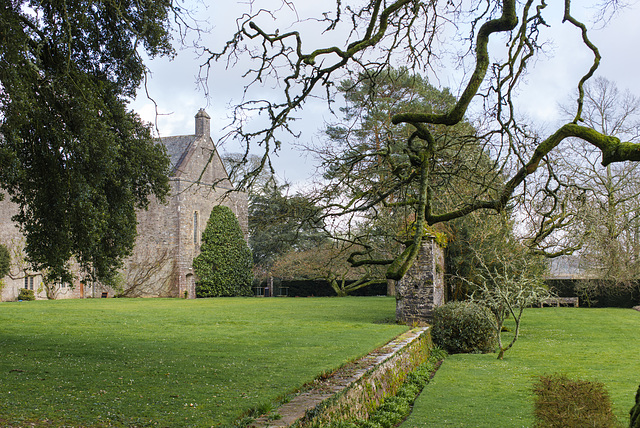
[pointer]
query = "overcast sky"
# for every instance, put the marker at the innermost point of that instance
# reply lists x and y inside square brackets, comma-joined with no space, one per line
[173,84]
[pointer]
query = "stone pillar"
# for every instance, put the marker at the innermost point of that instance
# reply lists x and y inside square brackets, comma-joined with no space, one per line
[422,287]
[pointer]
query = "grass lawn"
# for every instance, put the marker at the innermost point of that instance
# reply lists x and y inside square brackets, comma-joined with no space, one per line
[171,362]
[480,391]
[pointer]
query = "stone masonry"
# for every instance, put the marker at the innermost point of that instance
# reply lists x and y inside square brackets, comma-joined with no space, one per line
[168,234]
[356,389]
[422,287]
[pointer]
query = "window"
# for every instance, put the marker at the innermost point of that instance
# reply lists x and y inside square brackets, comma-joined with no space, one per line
[28,282]
[196,231]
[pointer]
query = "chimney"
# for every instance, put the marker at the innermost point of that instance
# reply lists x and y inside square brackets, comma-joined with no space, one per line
[203,124]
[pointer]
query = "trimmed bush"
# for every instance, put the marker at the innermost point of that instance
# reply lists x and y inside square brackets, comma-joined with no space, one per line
[561,402]
[463,327]
[224,263]
[635,412]
[26,294]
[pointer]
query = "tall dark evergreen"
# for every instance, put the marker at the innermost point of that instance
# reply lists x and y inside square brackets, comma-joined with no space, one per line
[280,223]
[5,261]
[73,158]
[224,265]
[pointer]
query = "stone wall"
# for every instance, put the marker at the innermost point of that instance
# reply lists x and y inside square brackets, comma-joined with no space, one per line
[422,287]
[357,389]
[366,394]
[20,273]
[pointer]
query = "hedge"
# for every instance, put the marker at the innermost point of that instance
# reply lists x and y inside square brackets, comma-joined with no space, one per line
[320,288]
[597,293]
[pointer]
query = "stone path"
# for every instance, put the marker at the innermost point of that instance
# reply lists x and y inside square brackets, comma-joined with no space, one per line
[344,377]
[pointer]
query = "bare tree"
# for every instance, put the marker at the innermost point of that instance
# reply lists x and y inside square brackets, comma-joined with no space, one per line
[507,288]
[597,207]
[327,262]
[149,272]
[418,33]
[611,211]
[19,265]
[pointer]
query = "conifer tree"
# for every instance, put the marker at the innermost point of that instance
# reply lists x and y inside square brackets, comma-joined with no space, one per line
[224,263]
[5,261]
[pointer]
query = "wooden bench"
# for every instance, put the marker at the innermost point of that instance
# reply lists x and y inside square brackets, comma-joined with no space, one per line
[105,295]
[560,301]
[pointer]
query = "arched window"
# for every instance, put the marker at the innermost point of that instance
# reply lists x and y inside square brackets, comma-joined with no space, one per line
[196,228]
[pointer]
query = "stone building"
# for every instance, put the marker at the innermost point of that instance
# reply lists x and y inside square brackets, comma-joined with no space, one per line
[168,234]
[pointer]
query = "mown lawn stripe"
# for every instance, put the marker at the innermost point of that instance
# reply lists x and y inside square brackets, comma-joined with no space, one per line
[148,362]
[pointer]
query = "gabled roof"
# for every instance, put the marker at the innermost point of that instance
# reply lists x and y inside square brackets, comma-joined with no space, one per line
[177,148]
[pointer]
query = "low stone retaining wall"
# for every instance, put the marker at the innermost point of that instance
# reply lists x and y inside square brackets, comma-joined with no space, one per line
[356,389]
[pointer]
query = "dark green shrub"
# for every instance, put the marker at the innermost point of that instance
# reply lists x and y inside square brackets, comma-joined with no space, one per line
[635,412]
[26,294]
[224,264]
[561,402]
[320,288]
[5,261]
[463,327]
[598,293]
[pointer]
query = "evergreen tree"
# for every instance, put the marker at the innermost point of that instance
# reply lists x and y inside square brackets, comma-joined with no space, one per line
[279,223]
[367,164]
[224,264]
[73,157]
[5,261]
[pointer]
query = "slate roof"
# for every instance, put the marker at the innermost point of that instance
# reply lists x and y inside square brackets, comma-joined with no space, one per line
[177,148]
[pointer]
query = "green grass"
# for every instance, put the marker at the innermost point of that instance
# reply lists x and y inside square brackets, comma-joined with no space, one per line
[480,391]
[131,362]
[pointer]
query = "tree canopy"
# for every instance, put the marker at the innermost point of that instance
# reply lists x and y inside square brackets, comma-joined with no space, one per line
[368,171]
[72,157]
[496,41]
[279,223]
